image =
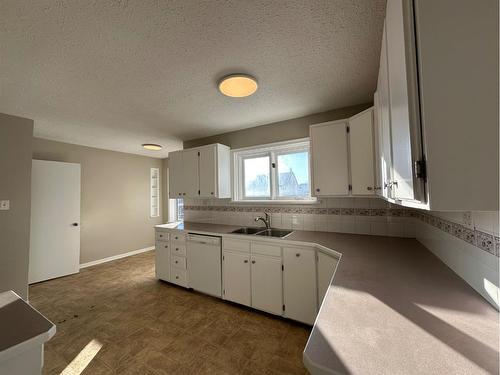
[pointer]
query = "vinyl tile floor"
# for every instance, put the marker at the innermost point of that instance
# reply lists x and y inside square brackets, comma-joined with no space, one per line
[116,318]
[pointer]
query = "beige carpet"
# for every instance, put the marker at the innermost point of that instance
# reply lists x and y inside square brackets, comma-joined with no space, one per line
[116,318]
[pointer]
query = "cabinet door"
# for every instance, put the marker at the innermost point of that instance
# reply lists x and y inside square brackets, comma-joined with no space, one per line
[384,153]
[403,99]
[329,159]
[326,268]
[190,180]
[299,284]
[175,175]
[236,276]
[162,260]
[208,172]
[267,285]
[361,153]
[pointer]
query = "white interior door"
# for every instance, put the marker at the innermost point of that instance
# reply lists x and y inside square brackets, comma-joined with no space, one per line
[55,220]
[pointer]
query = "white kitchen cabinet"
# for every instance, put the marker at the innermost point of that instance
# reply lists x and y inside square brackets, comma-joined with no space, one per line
[326,268]
[202,172]
[162,260]
[236,277]
[267,287]
[190,174]
[299,284]
[175,175]
[361,153]
[403,100]
[383,156]
[329,157]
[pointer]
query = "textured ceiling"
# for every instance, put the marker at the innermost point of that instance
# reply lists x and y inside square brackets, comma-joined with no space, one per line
[115,74]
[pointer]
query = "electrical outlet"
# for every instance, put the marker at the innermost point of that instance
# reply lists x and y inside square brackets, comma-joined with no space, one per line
[4,205]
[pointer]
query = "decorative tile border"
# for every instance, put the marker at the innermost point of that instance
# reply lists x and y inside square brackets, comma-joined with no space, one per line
[484,241]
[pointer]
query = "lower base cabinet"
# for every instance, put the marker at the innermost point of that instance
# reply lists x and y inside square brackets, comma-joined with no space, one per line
[299,284]
[236,271]
[326,268]
[162,260]
[267,286]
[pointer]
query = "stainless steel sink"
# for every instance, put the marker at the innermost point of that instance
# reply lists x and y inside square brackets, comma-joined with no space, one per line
[281,233]
[272,232]
[248,230]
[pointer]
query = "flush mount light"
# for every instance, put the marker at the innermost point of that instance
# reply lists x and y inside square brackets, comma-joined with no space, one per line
[238,85]
[151,147]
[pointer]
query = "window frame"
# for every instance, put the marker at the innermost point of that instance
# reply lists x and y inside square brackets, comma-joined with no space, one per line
[273,150]
[154,193]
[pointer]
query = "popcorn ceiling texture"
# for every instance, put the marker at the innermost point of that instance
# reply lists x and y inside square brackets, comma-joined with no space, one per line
[116,74]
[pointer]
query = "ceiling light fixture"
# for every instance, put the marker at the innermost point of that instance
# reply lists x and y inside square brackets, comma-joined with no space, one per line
[238,85]
[151,147]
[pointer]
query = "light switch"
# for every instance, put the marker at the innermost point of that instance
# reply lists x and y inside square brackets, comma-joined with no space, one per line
[4,205]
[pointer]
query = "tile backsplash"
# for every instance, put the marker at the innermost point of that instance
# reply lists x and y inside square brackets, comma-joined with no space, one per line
[372,216]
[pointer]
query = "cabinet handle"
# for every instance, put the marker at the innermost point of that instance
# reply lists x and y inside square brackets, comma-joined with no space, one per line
[297,255]
[183,193]
[377,188]
[212,193]
[176,277]
[245,261]
[369,188]
[317,189]
[161,235]
[166,247]
[180,193]
[176,249]
[176,262]
[253,261]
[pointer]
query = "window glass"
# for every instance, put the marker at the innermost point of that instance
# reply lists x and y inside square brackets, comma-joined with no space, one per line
[256,177]
[179,209]
[293,175]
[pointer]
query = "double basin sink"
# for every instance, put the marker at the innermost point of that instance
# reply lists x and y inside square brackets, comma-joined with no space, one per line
[271,232]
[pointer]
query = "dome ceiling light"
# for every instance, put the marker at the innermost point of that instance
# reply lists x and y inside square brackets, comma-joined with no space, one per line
[152,147]
[238,85]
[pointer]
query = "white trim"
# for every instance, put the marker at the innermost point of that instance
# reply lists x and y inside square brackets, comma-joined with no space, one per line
[115,257]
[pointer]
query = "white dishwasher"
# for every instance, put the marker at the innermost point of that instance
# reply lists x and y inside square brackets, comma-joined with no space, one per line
[204,264]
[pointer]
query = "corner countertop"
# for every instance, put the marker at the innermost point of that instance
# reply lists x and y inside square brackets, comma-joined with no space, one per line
[393,307]
[21,326]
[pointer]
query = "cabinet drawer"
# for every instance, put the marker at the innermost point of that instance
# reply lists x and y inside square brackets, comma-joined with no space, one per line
[161,236]
[160,245]
[236,245]
[178,276]
[178,248]
[178,237]
[178,262]
[265,249]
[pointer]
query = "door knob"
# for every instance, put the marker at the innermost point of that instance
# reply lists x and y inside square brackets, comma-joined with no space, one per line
[75,224]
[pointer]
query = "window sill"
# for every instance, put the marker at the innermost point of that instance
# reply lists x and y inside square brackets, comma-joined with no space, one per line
[278,202]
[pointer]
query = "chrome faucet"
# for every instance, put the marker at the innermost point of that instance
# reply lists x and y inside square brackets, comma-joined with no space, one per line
[264,220]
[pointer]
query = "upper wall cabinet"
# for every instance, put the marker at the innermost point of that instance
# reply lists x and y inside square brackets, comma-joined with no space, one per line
[202,172]
[437,105]
[342,156]
[361,153]
[329,159]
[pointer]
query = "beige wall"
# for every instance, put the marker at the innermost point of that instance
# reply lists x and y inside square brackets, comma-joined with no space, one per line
[16,136]
[115,197]
[277,131]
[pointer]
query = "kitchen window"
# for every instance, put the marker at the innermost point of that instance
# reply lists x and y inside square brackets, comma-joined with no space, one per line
[154,207]
[276,172]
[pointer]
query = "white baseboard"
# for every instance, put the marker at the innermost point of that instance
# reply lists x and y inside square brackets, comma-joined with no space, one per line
[115,257]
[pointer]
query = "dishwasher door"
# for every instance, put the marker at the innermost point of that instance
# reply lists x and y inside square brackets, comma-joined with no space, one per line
[204,264]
